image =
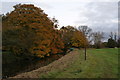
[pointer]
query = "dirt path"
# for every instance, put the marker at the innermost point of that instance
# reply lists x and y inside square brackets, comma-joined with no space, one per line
[60,64]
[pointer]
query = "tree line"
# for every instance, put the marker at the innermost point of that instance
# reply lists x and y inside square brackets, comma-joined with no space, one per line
[96,39]
[28,31]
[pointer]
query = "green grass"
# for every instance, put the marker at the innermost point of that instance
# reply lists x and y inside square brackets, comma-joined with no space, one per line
[100,63]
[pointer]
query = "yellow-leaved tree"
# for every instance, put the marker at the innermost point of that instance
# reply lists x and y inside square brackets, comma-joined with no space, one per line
[28,31]
[73,37]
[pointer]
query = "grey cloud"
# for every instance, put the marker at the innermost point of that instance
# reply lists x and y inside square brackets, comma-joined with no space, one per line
[100,15]
[43,5]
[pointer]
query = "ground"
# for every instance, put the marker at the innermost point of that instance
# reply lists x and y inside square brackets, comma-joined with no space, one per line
[100,63]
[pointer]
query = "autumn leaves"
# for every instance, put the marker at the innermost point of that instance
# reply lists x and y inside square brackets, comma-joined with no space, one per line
[27,31]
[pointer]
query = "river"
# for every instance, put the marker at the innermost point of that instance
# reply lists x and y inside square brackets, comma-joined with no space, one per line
[12,69]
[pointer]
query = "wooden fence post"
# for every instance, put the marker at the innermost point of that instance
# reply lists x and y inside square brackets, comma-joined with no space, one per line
[85,54]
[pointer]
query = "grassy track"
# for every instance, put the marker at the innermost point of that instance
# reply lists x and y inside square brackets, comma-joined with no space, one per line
[100,63]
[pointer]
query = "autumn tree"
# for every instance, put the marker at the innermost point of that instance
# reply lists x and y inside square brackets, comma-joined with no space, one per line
[31,32]
[72,37]
[66,34]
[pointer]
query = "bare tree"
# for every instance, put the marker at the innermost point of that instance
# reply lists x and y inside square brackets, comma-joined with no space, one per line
[115,36]
[111,35]
[87,32]
[98,36]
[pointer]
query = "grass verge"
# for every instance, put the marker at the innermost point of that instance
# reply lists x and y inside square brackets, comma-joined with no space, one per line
[100,63]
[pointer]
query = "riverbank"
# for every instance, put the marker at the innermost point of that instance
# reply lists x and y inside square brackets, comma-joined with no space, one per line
[61,63]
[100,63]
[13,65]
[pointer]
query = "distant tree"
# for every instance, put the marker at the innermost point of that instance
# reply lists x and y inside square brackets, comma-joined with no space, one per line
[111,35]
[115,36]
[118,42]
[87,32]
[104,44]
[98,36]
[111,43]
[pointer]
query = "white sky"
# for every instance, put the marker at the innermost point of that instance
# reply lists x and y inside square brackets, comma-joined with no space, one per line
[100,15]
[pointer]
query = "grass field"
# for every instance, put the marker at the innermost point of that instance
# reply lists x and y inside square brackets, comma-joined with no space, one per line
[100,63]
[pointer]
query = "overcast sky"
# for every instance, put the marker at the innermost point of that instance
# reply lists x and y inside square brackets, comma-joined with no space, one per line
[100,15]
